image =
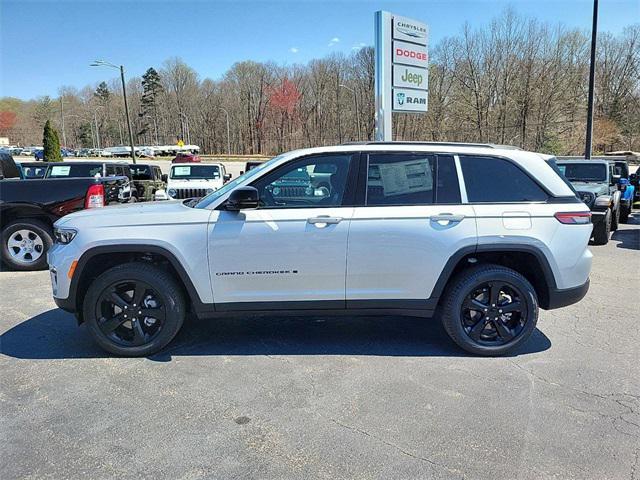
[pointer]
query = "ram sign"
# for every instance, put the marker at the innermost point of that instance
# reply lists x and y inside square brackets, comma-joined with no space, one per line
[402,69]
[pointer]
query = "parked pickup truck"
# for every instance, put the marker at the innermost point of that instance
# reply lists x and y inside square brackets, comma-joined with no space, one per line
[29,207]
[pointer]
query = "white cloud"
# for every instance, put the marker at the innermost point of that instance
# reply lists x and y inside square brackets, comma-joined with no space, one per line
[333,41]
[294,49]
[358,46]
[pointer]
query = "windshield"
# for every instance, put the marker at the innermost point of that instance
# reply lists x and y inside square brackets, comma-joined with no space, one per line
[584,172]
[195,172]
[74,171]
[227,187]
[141,172]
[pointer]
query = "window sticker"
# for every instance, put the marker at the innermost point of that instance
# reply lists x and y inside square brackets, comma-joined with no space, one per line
[60,170]
[405,177]
[182,171]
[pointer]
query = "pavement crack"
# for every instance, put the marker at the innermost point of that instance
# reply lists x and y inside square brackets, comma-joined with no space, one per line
[395,447]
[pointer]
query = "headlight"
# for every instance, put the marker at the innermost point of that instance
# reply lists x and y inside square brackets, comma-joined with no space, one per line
[603,201]
[64,235]
[172,192]
[210,190]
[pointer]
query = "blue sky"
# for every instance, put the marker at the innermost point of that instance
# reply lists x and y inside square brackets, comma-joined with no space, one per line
[47,44]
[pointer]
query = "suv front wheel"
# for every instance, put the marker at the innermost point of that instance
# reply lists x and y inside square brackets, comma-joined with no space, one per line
[134,309]
[490,310]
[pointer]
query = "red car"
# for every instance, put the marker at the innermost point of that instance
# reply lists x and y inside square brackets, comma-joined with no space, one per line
[186,158]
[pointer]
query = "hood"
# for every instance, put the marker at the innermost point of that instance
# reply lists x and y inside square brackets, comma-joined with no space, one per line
[595,188]
[147,213]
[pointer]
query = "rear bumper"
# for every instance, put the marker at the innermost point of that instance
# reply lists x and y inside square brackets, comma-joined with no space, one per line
[559,298]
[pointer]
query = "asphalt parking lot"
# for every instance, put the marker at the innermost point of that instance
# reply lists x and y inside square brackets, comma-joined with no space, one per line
[290,398]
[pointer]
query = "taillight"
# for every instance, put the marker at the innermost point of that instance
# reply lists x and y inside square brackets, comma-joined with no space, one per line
[95,197]
[573,218]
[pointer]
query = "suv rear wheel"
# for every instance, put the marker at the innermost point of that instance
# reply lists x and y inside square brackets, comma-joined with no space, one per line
[490,310]
[134,309]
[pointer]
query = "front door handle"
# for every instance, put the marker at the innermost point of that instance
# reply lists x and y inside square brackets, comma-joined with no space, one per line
[446,218]
[322,221]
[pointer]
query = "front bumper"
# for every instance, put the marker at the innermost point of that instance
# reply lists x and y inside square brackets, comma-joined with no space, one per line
[559,298]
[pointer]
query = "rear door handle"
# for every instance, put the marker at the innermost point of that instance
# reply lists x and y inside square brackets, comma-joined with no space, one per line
[446,217]
[324,220]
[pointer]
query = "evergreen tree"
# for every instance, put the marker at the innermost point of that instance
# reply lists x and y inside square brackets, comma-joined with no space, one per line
[151,90]
[51,144]
[102,93]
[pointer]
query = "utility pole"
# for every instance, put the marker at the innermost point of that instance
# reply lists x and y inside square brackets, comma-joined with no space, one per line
[102,63]
[592,79]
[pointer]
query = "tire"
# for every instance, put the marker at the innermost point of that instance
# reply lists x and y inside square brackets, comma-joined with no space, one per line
[615,219]
[602,231]
[137,286]
[496,335]
[624,214]
[25,244]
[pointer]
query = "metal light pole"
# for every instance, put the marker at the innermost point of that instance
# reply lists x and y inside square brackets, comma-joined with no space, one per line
[592,80]
[355,100]
[228,134]
[102,63]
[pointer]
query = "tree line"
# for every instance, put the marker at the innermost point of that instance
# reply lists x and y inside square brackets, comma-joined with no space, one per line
[513,81]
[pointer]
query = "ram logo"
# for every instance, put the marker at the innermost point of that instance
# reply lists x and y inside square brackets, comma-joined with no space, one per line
[400,98]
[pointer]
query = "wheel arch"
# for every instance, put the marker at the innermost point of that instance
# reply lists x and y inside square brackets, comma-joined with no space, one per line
[97,260]
[527,260]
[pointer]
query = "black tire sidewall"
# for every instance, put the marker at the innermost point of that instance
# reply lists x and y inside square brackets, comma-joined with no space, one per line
[161,282]
[38,227]
[462,286]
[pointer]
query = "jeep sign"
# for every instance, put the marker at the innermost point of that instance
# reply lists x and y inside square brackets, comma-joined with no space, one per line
[410,77]
[406,100]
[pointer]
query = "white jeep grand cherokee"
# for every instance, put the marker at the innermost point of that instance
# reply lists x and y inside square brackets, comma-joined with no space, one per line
[483,236]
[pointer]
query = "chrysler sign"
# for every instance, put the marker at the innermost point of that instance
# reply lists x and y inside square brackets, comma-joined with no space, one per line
[409,30]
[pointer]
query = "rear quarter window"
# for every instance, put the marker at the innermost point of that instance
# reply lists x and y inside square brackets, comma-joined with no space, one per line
[496,180]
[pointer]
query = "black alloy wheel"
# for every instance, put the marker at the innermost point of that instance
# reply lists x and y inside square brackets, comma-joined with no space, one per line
[489,309]
[493,313]
[130,313]
[134,309]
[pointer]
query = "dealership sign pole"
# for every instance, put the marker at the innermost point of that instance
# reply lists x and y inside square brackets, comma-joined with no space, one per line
[402,70]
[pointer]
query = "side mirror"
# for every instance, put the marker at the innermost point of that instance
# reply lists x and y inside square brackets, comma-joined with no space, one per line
[243,198]
[165,177]
[227,177]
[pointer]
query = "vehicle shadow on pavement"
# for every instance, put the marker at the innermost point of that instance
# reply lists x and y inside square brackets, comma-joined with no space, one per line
[55,335]
[629,238]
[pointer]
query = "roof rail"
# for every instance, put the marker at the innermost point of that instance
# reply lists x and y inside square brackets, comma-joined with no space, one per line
[442,144]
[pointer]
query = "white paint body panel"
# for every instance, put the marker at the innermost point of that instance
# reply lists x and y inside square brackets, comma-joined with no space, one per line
[399,252]
[278,240]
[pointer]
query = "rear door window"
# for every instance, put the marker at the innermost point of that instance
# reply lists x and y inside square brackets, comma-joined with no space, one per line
[411,179]
[496,180]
